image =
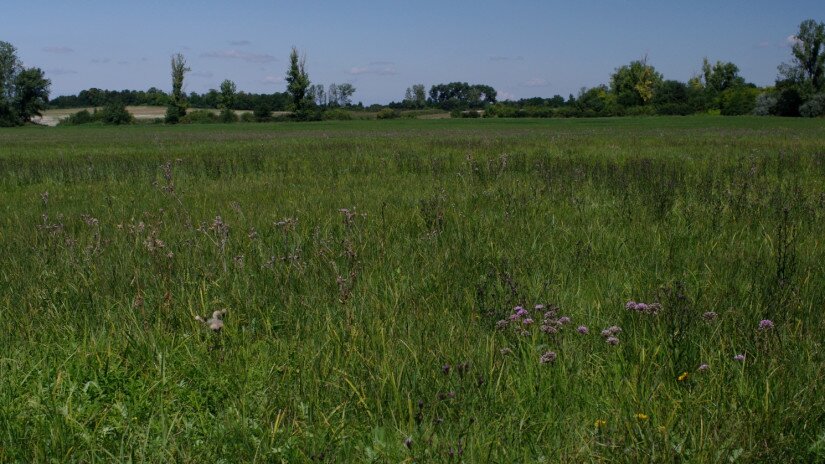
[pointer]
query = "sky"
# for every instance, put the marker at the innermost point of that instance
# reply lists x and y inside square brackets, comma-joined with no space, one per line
[523,48]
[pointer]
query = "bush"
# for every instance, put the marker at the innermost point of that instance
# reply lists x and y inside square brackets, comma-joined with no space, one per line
[227,116]
[337,114]
[247,117]
[81,117]
[115,113]
[388,113]
[198,117]
[262,112]
[788,102]
[738,101]
[813,108]
[765,104]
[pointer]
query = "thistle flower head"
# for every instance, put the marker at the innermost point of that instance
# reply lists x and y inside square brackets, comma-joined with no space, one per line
[548,357]
[739,357]
[703,367]
[582,329]
[613,341]
[765,324]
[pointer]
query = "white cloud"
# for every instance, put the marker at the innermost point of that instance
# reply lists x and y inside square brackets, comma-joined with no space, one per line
[238,55]
[535,82]
[57,49]
[380,70]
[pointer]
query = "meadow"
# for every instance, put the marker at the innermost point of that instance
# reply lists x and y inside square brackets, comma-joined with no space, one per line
[602,290]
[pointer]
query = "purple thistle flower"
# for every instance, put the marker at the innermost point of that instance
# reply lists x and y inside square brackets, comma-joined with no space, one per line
[520,312]
[549,329]
[641,307]
[564,320]
[528,321]
[765,324]
[612,341]
[513,317]
[612,330]
[703,367]
[582,329]
[539,307]
[445,369]
[739,357]
[548,357]
[710,315]
[630,305]
[408,442]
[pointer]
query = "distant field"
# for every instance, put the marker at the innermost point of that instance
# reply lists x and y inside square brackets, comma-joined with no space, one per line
[52,117]
[380,281]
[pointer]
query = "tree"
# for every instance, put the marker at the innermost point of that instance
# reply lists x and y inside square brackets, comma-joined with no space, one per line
[297,81]
[24,92]
[332,95]
[671,97]
[177,104]
[807,68]
[345,92]
[634,84]
[415,96]
[31,93]
[226,99]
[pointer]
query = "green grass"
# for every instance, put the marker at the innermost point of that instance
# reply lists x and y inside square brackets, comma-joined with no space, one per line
[338,328]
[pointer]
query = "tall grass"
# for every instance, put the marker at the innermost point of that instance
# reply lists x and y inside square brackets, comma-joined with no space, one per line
[365,266]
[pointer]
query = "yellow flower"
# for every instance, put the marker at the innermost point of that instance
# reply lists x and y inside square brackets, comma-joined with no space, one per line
[642,416]
[682,377]
[600,423]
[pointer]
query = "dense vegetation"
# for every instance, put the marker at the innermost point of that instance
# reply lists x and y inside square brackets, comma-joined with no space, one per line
[380,283]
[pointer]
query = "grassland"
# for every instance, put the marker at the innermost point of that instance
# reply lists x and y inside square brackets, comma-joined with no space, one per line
[365,267]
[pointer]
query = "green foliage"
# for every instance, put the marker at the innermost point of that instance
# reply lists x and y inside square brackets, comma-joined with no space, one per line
[388,113]
[788,101]
[298,83]
[262,112]
[461,95]
[227,116]
[737,101]
[634,84]
[807,69]
[226,100]
[671,98]
[115,113]
[177,103]
[337,114]
[765,104]
[814,107]
[24,92]
[200,117]
[77,119]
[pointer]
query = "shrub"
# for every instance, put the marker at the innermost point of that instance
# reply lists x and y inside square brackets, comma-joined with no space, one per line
[198,117]
[388,113]
[788,102]
[337,114]
[262,112]
[227,116]
[738,100]
[115,113]
[247,117]
[81,117]
[813,108]
[765,104]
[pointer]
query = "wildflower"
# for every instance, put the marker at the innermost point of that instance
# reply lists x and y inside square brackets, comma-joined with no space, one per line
[703,367]
[539,307]
[564,320]
[502,324]
[408,442]
[600,423]
[642,416]
[549,329]
[710,315]
[527,321]
[613,341]
[630,305]
[739,357]
[520,312]
[582,329]
[765,324]
[445,369]
[548,357]
[682,377]
[641,307]
[505,351]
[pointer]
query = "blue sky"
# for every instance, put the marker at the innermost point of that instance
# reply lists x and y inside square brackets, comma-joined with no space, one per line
[522,48]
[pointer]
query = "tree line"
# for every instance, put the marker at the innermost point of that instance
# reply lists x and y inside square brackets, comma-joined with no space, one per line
[636,88]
